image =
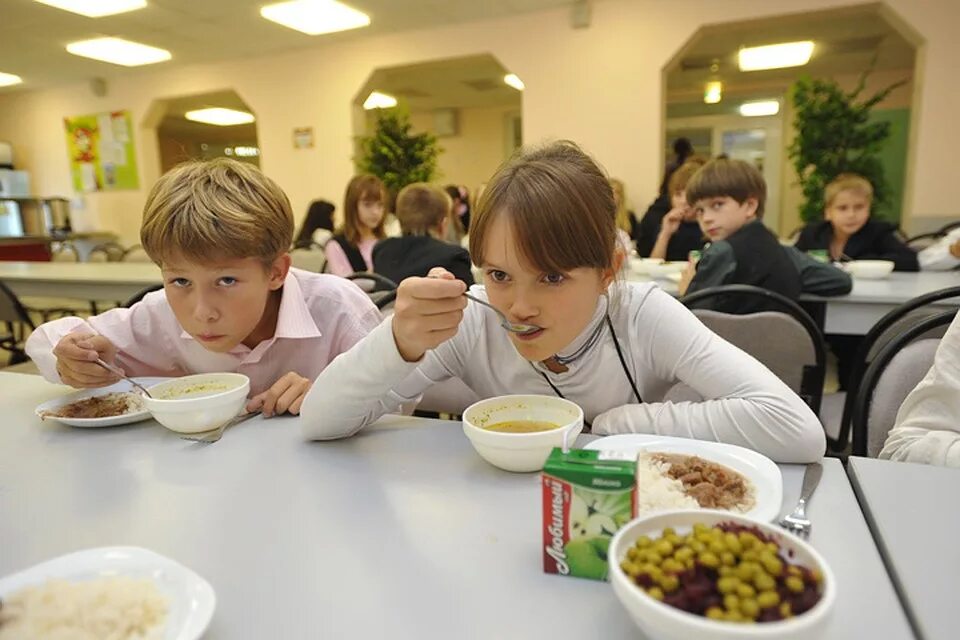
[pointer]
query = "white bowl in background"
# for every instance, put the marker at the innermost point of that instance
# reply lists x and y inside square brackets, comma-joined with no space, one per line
[661,621]
[199,410]
[664,269]
[521,451]
[869,269]
[642,266]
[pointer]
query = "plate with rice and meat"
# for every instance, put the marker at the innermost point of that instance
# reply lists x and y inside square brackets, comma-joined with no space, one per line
[681,473]
[109,406]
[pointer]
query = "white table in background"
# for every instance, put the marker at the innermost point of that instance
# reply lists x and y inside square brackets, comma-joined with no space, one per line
[399,532]
[912,511]
[80,280]
[870,300]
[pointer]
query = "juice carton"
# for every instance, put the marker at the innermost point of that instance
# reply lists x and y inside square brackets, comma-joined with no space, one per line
[587,497]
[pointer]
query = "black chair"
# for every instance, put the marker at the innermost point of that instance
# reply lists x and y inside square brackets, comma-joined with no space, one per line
[802,367]
[137,297]
[898,368]
[880,333]
[18,324]
[924,240]
[106,252]
[382,291]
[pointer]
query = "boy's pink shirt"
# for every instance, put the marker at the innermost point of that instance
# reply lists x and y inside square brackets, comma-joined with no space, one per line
[320,317]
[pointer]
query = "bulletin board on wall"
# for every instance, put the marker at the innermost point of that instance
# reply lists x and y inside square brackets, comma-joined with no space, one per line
[101,152]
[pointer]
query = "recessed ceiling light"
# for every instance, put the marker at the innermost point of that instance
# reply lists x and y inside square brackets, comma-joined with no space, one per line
[219,116]
[760,108]
[713,92]
[7,79]
[118,51]
[314,17]
[514,81]
[377,100]
[775,56]
[95,8]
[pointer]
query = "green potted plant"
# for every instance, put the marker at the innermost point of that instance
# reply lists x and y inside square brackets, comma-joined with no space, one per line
[395,155]
[834,135]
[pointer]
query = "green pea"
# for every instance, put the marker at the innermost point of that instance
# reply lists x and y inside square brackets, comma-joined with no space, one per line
[669,583]
[664,548]
[643,542]
[745,591]
[698,547]
[669,531]
[709,560]
[654,558]
[655,592]
[715,613]
[794,584]
[785,610]
[727,585]
[768,599]
[749,608]
[745,571]
[731,602]
[683,554]
[773,566]
[728,559]
[764,582]
[734,616]
[672,566]
[733,543]
[725,571]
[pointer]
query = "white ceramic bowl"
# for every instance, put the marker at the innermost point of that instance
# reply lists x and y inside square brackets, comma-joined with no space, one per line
[661,621]
[664,269]
[642,265]
[200,410]
[521,451]
[869,269]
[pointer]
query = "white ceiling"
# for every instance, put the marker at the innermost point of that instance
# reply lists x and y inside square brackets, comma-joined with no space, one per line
[846,41]
[33,35]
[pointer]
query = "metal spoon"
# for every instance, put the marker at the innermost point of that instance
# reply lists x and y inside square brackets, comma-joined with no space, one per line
[514,327]
[118,371]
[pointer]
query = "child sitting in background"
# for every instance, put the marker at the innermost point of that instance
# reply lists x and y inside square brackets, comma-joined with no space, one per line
[679,232]
[219,231]
[351,249]
[728,197]
[424,213]
[848,233]
[545,238]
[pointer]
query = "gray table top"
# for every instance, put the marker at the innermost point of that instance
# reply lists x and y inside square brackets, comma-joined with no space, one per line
[401,530]
[911,510]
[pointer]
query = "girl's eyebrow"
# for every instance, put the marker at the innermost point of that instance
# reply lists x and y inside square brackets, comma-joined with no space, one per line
[490,265]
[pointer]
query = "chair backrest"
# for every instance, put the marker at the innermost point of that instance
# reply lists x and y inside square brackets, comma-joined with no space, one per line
[785,338]
[889,326]
[924,240]
[137,297]
[135,253]
[371,282]
[889,378]
[11,309]
[308,259]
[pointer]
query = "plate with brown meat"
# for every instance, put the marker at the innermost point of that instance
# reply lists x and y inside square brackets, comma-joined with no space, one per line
[109,406]
[684,473]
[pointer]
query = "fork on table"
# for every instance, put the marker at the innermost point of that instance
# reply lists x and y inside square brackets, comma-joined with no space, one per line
[797,522]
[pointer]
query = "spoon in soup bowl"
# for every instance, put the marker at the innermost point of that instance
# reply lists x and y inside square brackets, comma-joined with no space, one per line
[513,327]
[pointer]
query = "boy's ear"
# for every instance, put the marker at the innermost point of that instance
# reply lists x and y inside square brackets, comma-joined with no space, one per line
[752,204]
[279,270]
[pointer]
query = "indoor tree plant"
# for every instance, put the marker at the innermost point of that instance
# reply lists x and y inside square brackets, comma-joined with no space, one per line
[834,135]
[395,155]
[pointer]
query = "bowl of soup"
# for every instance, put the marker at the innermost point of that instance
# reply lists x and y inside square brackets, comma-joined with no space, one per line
[869,269]
[197,403]
[517,433]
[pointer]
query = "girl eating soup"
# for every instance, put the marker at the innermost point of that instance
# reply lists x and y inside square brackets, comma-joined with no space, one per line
[545,238]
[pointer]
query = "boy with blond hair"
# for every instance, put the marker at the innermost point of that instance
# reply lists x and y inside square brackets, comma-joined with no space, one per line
[848,233]
[220,232]
[728,197]
[423,211]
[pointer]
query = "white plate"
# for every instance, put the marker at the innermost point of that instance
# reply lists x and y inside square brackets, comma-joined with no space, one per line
[112,421]
[190,598]
[760,470]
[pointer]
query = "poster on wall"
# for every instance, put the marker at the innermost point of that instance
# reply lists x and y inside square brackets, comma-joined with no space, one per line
[101,152]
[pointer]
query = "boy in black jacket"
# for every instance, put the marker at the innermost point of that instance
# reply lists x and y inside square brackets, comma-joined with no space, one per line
[424,213]
[728,196]
[848,233]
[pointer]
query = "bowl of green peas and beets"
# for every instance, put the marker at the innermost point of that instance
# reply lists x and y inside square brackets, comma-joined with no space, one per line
[715,575]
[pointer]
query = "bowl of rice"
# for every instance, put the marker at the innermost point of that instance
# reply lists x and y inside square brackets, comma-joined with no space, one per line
[198,403]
